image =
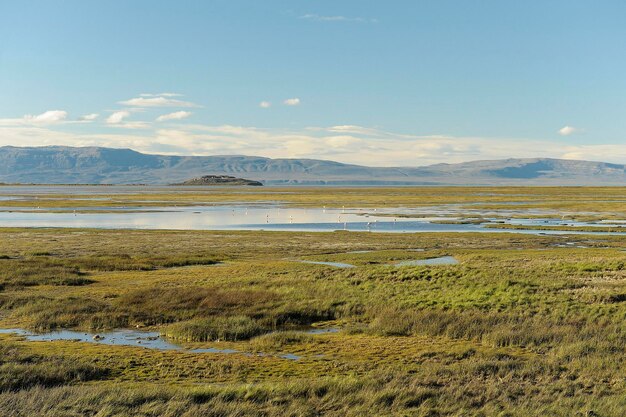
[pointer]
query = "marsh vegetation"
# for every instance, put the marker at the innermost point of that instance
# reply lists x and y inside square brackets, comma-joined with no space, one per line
[522,325]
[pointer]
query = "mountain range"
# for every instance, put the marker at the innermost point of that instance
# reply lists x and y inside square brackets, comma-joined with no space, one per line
[95,165]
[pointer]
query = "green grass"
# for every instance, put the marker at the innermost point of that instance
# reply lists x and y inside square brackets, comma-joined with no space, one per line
[20,370]
[518,328]
[214,329]
[279,341]
[575,202]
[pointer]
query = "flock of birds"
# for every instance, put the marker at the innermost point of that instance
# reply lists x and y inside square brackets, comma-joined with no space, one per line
[369,224]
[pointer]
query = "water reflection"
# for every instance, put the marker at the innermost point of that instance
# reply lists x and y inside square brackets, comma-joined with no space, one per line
[148,340]
[334,264]
[443,260]
[279,218]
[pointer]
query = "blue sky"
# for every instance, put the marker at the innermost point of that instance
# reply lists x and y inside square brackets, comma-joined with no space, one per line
[371,82]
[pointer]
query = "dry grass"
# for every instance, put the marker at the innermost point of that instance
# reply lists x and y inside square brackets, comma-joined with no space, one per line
[518,328]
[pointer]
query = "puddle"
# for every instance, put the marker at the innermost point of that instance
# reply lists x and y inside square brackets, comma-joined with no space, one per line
[443,260]
[323,331]
[290,356]
[147,340]
[151,340]
[570,245]
[334,264]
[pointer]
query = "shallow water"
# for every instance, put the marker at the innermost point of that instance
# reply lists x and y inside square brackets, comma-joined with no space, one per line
[562,222]
[324,330]
[335,264]
[222,217]
[148,340]
[443,260]
[151,340]
[272,217]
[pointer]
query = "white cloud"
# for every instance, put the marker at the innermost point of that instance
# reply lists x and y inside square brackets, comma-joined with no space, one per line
[51,116]
[162,100]
[292,102]
[337,18]
[342,142]
[89,117]
[601,152]
[178,115]
[161,95]
[349,144]
[117,117]
[133,125]
[265,104]
[360,130]
[567,130]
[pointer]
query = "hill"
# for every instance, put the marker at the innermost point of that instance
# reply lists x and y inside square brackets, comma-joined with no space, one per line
[210,180]
[67,165]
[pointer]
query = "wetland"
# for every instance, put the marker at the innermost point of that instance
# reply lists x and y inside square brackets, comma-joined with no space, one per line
[308,321]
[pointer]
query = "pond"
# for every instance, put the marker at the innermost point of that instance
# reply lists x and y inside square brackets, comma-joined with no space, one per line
[443,260]
[138,338]
[333,264]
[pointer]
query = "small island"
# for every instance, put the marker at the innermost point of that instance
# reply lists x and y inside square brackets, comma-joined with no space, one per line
[220,180]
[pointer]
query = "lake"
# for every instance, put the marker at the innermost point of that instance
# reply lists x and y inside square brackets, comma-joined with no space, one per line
[271,216]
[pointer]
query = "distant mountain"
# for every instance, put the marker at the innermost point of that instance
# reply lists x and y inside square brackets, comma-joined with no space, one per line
[67,165]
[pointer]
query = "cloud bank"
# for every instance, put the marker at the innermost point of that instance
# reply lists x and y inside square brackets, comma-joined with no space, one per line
[346,143]
[142,125]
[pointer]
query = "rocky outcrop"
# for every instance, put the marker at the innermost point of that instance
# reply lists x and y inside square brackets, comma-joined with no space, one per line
[219,180]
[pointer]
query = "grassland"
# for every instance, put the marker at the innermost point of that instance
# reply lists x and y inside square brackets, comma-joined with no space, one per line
[519,327]
[573,202]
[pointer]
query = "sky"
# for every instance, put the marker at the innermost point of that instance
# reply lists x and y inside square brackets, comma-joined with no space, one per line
[381,83]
